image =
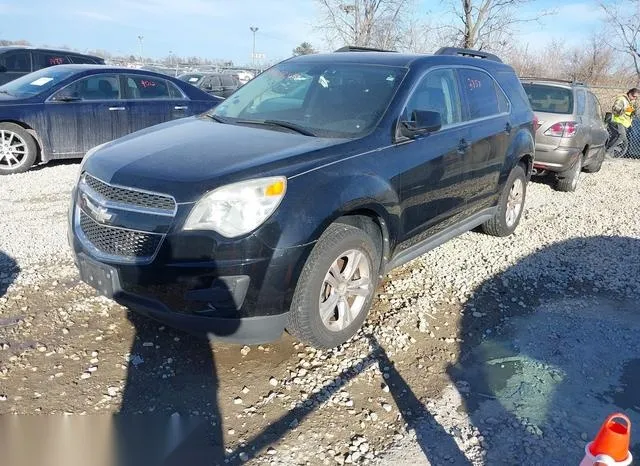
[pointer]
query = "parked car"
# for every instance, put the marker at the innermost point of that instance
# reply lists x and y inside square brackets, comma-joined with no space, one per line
[17,61]
[219,84]
[63,111]
[257,216]
[571,133]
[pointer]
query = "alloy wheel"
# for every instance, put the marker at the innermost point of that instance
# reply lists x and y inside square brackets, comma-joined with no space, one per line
[514,202]
[345,290]
[13,149]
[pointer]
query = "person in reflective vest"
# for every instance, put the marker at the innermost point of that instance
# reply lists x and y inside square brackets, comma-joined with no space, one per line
[622,113]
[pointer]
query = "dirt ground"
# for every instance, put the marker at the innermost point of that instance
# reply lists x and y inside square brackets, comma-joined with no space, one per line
[467,354]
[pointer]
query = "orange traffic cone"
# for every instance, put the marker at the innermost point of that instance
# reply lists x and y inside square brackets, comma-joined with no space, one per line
[611,445]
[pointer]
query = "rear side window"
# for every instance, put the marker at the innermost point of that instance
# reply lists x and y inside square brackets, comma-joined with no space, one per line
[174,92]
[78,59]
[480,93]
[513,88]
[16,61]
[46,59]
[580,102]
[147,87]
[227,80]
[503,102]
[594,106]
[551,99]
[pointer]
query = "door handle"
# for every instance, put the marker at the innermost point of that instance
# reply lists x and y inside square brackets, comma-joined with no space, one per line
[180,107]
[463,145]
[507,128]
[114,109]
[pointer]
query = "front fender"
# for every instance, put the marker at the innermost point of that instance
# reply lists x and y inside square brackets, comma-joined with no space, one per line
[317,199]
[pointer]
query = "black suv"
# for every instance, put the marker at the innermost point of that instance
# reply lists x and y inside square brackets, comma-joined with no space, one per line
[218,84]
[284,206]
[18,61]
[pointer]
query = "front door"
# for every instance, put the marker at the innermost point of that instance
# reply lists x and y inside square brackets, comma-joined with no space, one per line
[432,166]
[86,113]
[490,134]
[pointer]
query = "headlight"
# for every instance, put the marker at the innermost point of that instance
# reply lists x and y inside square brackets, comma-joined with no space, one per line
[238,208]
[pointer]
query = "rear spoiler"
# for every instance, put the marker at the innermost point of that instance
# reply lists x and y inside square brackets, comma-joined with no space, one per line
[467,53]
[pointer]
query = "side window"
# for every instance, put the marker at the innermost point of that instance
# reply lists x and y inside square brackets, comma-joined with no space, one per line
[503,102]
[437,92]
[16,61]
[174,92]
[480,93]
[580,102]
[147,87]
[45,59]
[78,59]
[207,83]
[227,80]
[97,87]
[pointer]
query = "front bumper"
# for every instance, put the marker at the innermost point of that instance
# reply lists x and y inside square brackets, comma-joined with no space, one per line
[236,290]
[558,159]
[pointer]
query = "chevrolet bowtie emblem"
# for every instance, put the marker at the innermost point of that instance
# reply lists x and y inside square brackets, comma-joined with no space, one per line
[99,214]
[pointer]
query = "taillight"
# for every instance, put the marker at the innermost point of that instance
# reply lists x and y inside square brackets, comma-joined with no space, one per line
[565,129]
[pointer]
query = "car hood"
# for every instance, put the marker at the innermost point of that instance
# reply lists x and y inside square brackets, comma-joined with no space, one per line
[190,156]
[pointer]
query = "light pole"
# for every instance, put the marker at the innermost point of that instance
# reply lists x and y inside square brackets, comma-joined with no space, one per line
[140,39]
[253,55]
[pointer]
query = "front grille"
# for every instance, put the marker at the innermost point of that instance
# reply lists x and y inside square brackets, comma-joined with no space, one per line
[117,241]
[129,196]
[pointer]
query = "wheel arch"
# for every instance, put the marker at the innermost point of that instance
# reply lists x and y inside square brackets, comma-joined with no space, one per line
[40,155]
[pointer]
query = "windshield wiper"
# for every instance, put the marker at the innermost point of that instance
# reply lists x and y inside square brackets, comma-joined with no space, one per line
[217,118]
[283,124]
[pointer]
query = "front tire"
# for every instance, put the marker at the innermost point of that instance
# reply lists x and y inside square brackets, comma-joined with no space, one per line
[18,149]
[336,287]
[510,205]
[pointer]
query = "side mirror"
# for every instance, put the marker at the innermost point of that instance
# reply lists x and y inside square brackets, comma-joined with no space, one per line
[66,97]
[422,122]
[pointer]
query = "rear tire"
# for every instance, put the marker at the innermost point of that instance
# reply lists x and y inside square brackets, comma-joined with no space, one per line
[18,149]
[331,301]
[568,181]
[596,165]
[510,205]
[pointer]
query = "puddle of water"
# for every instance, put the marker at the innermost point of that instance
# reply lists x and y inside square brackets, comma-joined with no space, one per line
[626,394]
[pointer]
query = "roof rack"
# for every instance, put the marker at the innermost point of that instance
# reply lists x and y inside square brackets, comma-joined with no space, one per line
[557,80]
[467,53]
[355,48]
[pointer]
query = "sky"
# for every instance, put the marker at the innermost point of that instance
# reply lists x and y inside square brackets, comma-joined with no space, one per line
[219,29]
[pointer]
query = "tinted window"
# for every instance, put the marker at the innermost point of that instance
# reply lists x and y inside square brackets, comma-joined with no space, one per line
[147,87]
[174,92]
[191,78]
[480,92]
[16,61]
[513,87]
[551,99]
[328,99]
[437,92]
[37,82]
[580,102]
[503,102]
[227,80]
[98,87]
[81,60]
[44,59]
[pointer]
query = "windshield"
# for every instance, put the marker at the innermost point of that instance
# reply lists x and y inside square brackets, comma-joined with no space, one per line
[329,100]
[36,83]
[550,99]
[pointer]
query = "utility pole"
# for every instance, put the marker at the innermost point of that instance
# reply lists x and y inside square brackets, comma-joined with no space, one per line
[140,39]
[253,55]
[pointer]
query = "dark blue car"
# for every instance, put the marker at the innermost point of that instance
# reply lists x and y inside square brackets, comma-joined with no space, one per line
[63,111]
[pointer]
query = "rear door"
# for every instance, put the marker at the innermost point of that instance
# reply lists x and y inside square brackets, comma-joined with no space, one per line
[153,100]
[490,132]
[599,133]
[14,64]
[431,166]
[87,112]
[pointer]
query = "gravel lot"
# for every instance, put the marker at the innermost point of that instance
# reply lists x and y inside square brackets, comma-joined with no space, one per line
[484,351]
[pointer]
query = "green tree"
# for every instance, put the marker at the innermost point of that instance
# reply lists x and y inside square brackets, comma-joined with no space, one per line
[304,49]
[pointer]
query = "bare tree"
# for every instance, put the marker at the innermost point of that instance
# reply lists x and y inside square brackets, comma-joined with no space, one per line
[365,23]
[624,25]
[488,24]
[304,48]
